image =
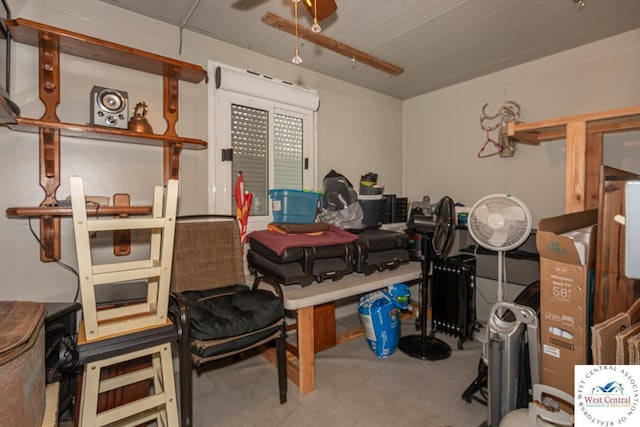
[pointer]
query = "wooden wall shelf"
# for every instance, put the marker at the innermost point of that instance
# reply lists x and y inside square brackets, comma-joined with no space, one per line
[66,211]
[51,41]
[620,120]
[30,32]
[584,137]
[24,124]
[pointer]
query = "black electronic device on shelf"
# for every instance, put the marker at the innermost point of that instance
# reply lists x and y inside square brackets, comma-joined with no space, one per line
[436,238]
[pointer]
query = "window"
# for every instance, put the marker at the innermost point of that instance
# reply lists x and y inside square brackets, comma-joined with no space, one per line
[263,128]
[288,142]
[250,145]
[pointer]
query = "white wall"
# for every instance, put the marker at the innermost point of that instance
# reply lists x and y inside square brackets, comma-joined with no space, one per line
[351,121]
[442,133]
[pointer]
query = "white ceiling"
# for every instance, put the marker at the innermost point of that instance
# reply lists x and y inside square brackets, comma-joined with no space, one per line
[437,42]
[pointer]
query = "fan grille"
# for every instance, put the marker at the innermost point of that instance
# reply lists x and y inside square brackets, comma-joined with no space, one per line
[499,222]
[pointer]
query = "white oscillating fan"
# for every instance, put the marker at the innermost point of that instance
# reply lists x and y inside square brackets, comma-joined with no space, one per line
[499,222]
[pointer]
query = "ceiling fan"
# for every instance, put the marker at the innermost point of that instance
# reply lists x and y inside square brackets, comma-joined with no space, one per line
[320,9]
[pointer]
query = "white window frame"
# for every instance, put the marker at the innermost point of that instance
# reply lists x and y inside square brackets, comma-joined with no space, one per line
[221,183]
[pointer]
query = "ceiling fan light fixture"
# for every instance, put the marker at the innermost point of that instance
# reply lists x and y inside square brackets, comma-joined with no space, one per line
[297,59]
[315,27]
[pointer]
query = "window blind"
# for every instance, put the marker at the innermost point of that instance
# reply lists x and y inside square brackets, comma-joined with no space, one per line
[287,151]
[250,141]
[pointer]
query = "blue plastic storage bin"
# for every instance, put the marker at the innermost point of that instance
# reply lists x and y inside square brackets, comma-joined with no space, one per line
[294,206]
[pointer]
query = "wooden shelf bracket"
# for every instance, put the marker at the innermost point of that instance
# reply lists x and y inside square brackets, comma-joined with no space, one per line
[50,238]
[49,52]
[49,142]
[172,161]
[170,95]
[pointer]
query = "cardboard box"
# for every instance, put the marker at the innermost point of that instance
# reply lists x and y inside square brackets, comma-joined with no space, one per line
[567,259]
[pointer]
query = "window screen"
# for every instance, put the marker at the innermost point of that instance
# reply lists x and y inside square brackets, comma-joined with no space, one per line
[250,142]
[287,151]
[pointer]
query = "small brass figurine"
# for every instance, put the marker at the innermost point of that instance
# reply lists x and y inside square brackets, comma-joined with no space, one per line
[138,122]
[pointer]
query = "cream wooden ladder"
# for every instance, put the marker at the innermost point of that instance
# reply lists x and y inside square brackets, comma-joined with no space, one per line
[156,269]
[114,323]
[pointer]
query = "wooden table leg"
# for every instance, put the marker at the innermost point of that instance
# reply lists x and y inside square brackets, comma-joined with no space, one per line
[306,353]
[324,328]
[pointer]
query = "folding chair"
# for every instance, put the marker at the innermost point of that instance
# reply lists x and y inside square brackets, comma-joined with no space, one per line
[217,315]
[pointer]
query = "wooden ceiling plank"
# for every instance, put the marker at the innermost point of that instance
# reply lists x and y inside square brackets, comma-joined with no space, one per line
[321,40]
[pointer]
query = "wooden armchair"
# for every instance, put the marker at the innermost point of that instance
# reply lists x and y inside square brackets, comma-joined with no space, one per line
[216,314]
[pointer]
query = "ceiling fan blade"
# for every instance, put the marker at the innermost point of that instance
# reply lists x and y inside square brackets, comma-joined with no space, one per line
[247,4]
[324,8]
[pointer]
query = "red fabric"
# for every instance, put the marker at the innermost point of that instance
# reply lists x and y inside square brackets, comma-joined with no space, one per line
[280,242]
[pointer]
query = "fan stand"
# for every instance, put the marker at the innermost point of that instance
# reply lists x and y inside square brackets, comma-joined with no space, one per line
[423,346]
[501,286]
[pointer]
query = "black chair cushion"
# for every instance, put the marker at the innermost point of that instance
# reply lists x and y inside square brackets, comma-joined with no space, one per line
[231,311]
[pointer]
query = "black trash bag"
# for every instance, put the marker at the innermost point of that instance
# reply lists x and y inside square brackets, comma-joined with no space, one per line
[339,202]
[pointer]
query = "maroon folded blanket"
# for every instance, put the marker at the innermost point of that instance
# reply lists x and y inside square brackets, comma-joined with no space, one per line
[280,242]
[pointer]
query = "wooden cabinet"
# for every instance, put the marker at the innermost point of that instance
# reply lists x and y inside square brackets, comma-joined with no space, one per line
[52,41]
